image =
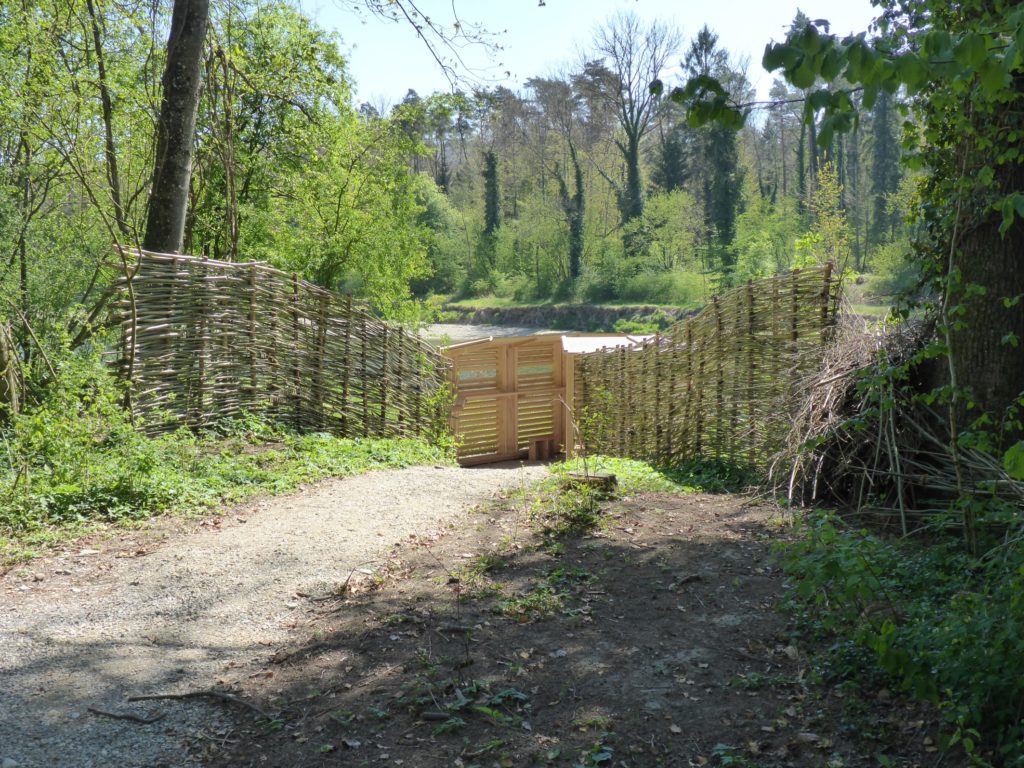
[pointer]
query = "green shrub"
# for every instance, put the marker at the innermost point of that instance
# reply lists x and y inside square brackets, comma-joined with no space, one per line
[74,460]
[893,272]
[945,626]
[685,289]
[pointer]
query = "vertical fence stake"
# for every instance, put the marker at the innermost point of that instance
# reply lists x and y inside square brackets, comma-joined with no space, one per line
[751,400]
[719,376]
[252,338]
[365,378]
[321,352]
[385,383]
[347,367]
[295,353]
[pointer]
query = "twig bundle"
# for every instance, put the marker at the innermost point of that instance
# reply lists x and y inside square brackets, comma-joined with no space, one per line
[877,449]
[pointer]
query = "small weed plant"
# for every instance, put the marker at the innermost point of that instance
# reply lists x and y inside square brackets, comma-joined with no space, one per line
[568,511]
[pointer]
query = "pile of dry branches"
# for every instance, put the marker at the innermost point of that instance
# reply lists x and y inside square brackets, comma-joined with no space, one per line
[862,440]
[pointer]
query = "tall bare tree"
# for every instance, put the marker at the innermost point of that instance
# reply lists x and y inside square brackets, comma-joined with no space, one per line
[636,54]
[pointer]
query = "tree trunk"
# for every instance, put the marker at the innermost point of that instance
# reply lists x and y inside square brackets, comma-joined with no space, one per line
[576,220]
[634,198]
[110,148]
[492,194]
[988,352]
[574,207]
[168,200]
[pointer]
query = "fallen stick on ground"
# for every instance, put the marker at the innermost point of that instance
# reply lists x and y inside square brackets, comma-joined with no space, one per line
[219,695]
[126,716]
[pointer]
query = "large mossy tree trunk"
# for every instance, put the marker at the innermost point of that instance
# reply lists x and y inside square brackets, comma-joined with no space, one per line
[168,200]
[987,347]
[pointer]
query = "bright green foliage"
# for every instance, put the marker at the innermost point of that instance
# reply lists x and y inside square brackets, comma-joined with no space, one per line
[639,477]
[726,202]
[944,56]
[349,224]
[828,239]
[74,460]
[766,235]
[942,624]
[285,169]
[1013,461]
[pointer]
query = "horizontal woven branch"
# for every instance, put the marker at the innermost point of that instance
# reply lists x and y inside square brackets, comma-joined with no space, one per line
[716,385]
[206,340]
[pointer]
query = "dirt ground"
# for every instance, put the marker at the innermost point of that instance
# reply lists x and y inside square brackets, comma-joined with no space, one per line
[186,606]
[652,639]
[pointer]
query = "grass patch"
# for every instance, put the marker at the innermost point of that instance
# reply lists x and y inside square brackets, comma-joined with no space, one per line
[494,302]
[870,310]
[640,477]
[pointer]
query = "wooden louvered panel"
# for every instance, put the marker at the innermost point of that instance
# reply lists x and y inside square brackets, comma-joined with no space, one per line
[477,426]
[535,420]
[508,395]
[535,368]
[477,370]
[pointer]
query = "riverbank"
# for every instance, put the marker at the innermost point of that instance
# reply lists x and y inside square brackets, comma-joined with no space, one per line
[569,317]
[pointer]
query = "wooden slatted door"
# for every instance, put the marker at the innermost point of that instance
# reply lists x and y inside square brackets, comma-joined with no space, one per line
[480,415]
[537,386]
[507,395]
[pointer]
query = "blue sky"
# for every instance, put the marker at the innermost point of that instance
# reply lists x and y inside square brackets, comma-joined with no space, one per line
[386,59]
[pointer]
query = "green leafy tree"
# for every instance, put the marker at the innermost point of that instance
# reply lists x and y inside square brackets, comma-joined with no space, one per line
[944,56]
[828,239]
[716,175]
[947,55]
[885,170]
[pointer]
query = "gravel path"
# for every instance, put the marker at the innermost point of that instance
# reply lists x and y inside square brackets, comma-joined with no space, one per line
[86,629]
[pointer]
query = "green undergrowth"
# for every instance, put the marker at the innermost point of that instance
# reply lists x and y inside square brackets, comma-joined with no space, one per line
[560,508]
[127,477]
[633,476]
[73,461]
[945,626]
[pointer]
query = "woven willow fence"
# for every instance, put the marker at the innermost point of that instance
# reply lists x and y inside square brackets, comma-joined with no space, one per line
[715,385]
[10,373]
[205,340]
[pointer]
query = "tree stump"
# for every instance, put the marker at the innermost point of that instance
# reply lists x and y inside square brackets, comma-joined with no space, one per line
[604,483]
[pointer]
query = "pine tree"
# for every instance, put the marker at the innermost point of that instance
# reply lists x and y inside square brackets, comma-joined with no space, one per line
[885,171]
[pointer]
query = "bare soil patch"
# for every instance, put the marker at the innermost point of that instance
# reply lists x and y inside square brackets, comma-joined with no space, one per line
[652,640]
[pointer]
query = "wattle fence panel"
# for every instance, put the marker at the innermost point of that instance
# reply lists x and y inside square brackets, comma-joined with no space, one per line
[717,385]
[205,340]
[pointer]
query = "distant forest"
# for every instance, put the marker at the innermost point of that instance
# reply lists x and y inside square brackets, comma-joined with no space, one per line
[582,186]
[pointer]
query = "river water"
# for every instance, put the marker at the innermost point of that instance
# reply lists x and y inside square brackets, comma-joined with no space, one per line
[454,333]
